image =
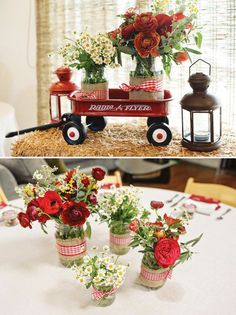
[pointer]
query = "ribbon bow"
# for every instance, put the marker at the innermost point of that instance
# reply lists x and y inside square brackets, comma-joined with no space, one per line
[98,294]
[148,86]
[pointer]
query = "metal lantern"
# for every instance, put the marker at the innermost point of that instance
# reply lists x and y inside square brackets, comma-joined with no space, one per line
[201,115]
[59,92]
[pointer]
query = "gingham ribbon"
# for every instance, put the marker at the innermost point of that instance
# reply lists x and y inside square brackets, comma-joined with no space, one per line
[71,250]
[81,95]
[102,94]
[98,294]
[151,276]
[116,240]
[148,86]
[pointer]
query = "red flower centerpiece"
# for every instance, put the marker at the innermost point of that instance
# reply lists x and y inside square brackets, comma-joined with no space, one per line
[68,200]
[161,247]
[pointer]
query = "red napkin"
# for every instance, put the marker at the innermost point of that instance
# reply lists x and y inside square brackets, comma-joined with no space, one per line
[206,200]
[109,185]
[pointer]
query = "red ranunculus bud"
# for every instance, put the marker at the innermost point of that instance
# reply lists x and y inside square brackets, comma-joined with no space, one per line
[166,252]
[133,226]
[85,181]
[43,218]
[24,220]
[32,211]
[157,204]
[98,173]
[181,56]
[92,199]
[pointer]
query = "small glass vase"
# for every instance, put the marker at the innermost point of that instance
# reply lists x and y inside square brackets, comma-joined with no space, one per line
[151,275]
[71,244]
[103,296]
[95,83]
[120,239]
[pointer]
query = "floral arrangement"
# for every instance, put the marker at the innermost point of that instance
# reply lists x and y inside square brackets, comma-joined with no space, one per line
[103,273]
[67,199]
[166,32]
[92,54]
[160,240]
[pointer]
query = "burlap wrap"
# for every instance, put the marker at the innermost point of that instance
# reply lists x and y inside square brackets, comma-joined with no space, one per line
[147,282]
[142,95]
[71,246]
[119,243]
[99,89]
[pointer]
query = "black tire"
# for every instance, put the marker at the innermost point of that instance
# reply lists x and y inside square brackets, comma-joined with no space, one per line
[157,120]
[97,123]
[74,133]
[159,134]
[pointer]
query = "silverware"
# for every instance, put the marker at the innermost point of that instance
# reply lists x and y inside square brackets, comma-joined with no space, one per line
[203,213]
[171,200]
[177,202]
[221,216]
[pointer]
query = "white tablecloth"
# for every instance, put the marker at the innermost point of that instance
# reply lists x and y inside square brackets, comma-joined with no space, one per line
[7,123]
[33,282]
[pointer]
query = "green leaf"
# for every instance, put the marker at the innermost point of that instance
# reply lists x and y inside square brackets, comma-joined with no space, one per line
[193,51]
[198,39]
[88,230]
[43,227]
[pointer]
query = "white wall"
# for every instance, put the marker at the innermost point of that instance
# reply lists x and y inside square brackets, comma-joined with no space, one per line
[17,72]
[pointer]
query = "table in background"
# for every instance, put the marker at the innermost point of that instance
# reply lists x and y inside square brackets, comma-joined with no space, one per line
[33,282]
[7,123]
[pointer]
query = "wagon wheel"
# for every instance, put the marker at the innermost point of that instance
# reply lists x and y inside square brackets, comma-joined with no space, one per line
[96,123]
[157,120]
[74,133]
[159,134]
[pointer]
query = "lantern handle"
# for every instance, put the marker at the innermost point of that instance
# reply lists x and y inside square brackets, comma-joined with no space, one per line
[197,62]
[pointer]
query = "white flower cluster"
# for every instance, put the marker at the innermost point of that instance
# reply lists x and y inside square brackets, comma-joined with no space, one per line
[99,48]
[101,272]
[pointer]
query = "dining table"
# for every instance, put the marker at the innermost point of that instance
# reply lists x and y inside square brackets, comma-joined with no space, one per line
[33,282]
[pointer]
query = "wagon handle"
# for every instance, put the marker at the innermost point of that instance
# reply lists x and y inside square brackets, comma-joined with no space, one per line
[190,68]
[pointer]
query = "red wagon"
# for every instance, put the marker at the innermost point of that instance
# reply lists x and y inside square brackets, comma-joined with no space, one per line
[118,104]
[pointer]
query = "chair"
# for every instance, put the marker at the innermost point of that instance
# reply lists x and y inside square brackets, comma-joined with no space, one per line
[223,193]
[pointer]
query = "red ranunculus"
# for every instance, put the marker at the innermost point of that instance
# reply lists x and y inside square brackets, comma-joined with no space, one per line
[145,22]
[51,203]
[157,204]
[171,221]
[146,44]
[98,173]
[24,220]
[75,213]
[32,211]
[180,16]
[166,252]
[127,31]
[92,199]
[133,226]
[85,181]
[164,24]
[181,57]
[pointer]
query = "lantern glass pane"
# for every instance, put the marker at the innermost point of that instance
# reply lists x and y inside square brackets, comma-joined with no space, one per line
[217,124]
[186,125]
[202,127]
[65,104]
[54,107]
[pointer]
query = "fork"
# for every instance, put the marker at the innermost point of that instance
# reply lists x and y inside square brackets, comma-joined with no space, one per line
[177,202]
[171,200]
[221,216]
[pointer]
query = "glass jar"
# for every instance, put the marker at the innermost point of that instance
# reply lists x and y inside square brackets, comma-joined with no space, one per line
[95,75]
[104,296]
[71,244]
[144,67]
[120,239]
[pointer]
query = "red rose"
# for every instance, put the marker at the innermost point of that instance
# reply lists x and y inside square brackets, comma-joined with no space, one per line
[180,16]
[133,226]
[164,24]
[92,199]
[32,211]
[24,220]
[75,213]
[51,203]
[166,252]
[157,204]
[145,22]
[181,57]
[171,221]
[98,173]
[146,44]
[127,31]
[85,181]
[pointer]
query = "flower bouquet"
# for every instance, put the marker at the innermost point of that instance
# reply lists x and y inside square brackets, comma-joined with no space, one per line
[68,200]
[92,54]
[103,274]
[162,250]
[164,33]
[118,208]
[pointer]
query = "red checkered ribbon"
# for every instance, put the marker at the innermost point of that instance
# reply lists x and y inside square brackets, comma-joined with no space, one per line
[98,294]
[116,240]
[71,250]
[151,276]
[148,86]
[81,95]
